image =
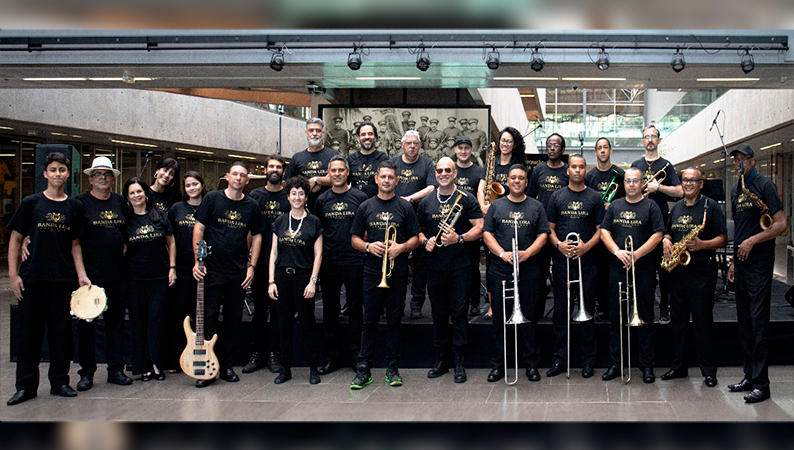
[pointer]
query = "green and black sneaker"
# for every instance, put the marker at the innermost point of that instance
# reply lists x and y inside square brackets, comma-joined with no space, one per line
[363,378]
[393,377]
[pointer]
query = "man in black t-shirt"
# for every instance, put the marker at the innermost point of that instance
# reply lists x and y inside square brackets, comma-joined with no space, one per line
[468,180]
[692,284]
[45,280]
[374,219]
[661,192]
[364,162]
[225,219]
[574,209]
[417,181]
[312,163]
[752,269]
[448,263]
[515,214]
[102,242]
[603,176]
[341,264]
[272,201]
[640,219]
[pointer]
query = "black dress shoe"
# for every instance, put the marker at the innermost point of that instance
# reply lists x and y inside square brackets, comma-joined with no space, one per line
[273,363]
[711,381]
[229,375]
[611,373]
[327,368]
[159,376]
[438,369]
[587,371]
[118,377]
[533,374]
[757,395]
[254,363]
[147,376]
[284,376]
[555,369]
[495,375]
[314,376]
[21,396]
[742,386]
[648,375]
[63,390]
[673,374]
[204,383]
[85,383]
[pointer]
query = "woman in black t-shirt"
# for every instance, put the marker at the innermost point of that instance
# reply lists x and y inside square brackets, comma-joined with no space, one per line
[183,293]
[295,258]
[164,191]
[151,267]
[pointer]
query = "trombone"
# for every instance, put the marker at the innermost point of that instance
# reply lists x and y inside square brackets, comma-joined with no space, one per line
[388,264]
[633,317]
[451,218]
[572,238]
[517,318]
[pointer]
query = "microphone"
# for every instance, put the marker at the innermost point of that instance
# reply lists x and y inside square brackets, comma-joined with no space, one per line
[714,122]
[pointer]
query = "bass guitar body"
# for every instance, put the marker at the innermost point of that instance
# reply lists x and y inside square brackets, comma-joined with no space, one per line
[198,360]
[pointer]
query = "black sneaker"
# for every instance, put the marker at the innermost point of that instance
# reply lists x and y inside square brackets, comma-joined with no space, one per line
[254,363]
[393,376]
[363,378]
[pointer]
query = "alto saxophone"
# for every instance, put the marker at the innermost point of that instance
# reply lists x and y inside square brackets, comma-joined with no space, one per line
[766,219]
[493,189]
[680,255]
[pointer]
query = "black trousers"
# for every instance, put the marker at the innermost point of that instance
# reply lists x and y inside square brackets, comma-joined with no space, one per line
[602,279]
[181,304]
[528,289]
[114,331]
[45,306]
[221,289]
[290,299]
[561,318]
[419,282]
[544,261]
[375,299]
[645,279]
[664,284]
[447,290]
[692,293]
[146,301]
[474,273]
[332,277]
[753,284]
[266,333]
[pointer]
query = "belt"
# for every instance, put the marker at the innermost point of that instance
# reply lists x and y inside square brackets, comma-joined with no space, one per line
[294,270]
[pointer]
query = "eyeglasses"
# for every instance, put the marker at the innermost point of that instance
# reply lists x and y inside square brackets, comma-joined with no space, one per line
[632,180]
[554,145]
[690,180]
[101,174]
[648,137]
[506,141]
[441,170]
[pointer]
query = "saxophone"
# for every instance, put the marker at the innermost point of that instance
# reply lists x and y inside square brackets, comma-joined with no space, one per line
[680,255]
[493,189]
[766,220]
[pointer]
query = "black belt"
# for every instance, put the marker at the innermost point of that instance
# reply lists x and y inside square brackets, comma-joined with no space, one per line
[294,270]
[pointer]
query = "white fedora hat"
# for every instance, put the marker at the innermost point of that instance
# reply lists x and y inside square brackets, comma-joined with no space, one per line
[101,163]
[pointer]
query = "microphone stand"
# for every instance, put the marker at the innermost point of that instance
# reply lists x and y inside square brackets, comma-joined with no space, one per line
[725,155]
[149,155]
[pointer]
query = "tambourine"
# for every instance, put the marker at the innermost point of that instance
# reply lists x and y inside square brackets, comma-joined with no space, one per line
[89,304]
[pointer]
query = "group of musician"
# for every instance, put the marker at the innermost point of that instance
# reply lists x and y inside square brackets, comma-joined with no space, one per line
[325,222]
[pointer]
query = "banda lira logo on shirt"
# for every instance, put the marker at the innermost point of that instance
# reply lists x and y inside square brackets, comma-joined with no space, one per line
[56,217]
[602,186]
[628,215]
[407,173]
[461,181]
[445,209]
[516,215]
[575,206]
[685,219]
[553,179]
[340,206]
[385,216]
[314,165]
[272,204]
[145,229]
[108,215]
[233,215]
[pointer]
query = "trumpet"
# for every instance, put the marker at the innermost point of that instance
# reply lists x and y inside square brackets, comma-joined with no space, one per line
[611,190]
[517,318]
[654,178]
[493,189]
[451,218]
[633,317]
[388,264]
[582,315]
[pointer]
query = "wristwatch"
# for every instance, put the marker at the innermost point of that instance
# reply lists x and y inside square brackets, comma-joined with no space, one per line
[424,244]
[313,278]
[367,247]
[460,239]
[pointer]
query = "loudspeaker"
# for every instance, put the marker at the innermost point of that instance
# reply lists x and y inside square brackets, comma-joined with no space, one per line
[713,189]
[72,186]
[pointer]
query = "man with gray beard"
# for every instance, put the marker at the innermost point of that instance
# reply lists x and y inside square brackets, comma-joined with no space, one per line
[312,163]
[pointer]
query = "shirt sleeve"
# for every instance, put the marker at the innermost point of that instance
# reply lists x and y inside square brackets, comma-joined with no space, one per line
[430,178]
[543,221]
[771,197]
[606,223]
[411,222]
[258,223]
[473,207]
[488,223]
[169,231]
[205,209]
[22,218]
[532,186]
[421,213]
[551,210]
[717,218]
[656,217]
[357,229]
[79,214]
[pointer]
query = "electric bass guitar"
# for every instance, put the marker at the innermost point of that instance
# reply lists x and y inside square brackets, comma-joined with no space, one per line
[198,360]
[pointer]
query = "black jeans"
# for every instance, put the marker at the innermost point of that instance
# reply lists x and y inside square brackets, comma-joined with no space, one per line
[222,289]
[474,273]
[146,301]
[419,282]
[290,284]
[561,318]
[528,289]
[753,284]
[45,305]
[181,304]
[332,277]
[266,333]
[646,287]
[692,293]
[602,265]
[375,299]
[114,331]
[448,290]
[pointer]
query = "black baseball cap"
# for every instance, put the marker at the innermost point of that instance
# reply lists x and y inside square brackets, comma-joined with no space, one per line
[462,140]
[744,148]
